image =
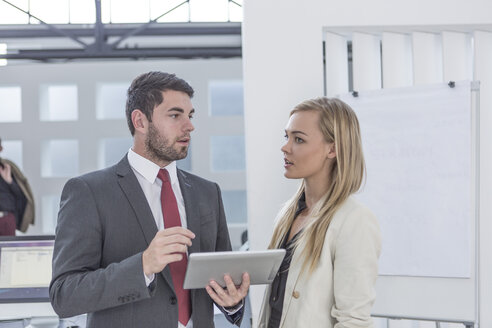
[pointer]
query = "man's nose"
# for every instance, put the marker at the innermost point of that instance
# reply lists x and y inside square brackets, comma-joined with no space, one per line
[189,126]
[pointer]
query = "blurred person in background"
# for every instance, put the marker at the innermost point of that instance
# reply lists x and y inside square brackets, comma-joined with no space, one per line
[16,200]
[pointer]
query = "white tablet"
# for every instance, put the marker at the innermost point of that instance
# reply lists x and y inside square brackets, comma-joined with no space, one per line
[262,267]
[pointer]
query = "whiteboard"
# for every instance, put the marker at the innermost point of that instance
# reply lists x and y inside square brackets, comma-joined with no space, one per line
[419,146]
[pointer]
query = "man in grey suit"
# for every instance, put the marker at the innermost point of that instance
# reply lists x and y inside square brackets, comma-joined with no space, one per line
[116,258]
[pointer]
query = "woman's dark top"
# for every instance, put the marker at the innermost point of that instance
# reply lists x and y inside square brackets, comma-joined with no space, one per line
[12,199]
[277,294]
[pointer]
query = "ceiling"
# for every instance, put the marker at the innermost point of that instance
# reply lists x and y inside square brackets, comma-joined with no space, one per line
[69,42]
[112,41]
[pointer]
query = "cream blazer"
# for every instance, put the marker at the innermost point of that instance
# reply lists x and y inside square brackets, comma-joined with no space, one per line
[340,292]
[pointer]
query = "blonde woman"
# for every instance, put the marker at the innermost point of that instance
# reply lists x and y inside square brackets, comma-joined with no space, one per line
[333,242]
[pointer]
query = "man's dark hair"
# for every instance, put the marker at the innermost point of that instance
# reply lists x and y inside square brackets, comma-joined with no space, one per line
[145,93]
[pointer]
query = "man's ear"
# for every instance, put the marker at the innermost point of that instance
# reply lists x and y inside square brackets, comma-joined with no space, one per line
[139,120]
[332,153]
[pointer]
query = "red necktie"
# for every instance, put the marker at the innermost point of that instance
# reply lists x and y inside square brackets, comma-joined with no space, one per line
[178,269]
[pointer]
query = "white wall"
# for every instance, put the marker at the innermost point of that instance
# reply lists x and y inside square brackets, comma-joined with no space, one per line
[282,61]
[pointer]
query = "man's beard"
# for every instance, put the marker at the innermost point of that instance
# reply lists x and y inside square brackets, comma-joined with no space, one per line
[161,149]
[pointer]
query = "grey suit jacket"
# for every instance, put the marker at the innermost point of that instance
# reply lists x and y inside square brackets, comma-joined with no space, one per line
[104,225]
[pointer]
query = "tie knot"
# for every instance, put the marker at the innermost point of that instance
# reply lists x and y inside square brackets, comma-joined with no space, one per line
[163,175]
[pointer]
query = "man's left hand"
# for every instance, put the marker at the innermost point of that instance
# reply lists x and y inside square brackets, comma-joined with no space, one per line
[231,295]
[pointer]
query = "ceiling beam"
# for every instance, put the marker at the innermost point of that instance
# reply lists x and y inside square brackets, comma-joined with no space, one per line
[140,53]
[120,30]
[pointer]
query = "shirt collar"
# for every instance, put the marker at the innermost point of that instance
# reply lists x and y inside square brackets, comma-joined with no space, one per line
[149,169]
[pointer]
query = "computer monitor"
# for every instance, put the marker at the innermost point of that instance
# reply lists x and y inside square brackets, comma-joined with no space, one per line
[25,275]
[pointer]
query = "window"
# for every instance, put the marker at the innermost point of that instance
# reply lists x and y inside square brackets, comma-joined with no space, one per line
[3,51]
[209,11]
[59,103]
[82,11]
[226,98]
[12,150]
[10,104]
[228,153]
[129,11]
[111,100]
[112,150]
[174,10]
[10,15]
[59,158]
[121,11]
[50,11]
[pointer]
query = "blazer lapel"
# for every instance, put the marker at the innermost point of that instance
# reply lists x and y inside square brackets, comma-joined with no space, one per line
[192,213]
[192,216]
[292,279]
[131,188]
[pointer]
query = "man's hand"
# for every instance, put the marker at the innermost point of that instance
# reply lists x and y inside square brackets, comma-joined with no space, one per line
[168,246]
[6,173]
[231,295]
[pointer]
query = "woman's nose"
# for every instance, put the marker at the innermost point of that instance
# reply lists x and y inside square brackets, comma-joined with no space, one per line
[285,148]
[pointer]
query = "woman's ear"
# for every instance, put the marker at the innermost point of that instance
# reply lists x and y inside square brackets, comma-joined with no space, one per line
[139,120]
[331,151]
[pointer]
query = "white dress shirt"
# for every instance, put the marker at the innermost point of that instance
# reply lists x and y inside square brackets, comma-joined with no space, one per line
[146,172]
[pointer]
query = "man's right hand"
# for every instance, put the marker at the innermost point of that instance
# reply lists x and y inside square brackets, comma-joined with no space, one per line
[168,246]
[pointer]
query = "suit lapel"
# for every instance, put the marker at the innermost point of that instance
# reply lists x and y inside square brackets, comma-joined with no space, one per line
[292,279]
[192,213]
[131,188]
[192,216]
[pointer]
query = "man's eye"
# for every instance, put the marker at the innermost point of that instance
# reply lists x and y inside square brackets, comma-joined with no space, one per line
[173,115]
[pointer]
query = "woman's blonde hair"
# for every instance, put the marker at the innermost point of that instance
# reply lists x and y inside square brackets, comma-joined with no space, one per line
[339,125]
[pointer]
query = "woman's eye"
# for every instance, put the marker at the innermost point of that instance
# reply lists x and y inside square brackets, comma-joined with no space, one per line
[286,137]
[299,140]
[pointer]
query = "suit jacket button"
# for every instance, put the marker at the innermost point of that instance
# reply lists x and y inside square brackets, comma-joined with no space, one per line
[172,299]
[295,294]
